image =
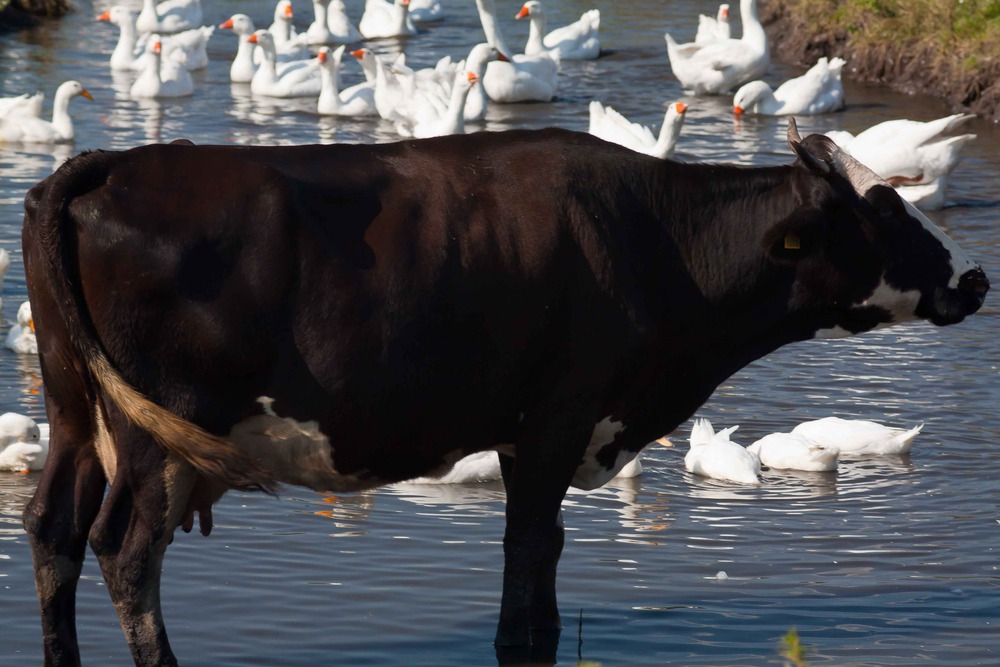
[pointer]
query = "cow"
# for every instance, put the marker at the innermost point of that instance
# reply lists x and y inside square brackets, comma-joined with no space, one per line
[343,317]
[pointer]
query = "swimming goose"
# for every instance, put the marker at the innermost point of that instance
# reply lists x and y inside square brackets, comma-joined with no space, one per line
[169,16]
[31,129]
[342,31]
[858,436]
[477,62]
[161,78]
[22,106]
[518,78]
[819,90]
[286,39]
[298,78]
[185,48]
[386,19]
[426,11]
[715,455]
[610,125]
[244,64]
[576,41]
[451,120]
[358,100]
[21,337]
[24,445]
[793,451]
[711,29]
[717,67]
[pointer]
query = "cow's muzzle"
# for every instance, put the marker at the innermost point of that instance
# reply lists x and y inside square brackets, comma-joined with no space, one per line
[948,305]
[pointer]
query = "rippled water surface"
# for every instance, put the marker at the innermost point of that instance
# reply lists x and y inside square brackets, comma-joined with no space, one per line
[887,562]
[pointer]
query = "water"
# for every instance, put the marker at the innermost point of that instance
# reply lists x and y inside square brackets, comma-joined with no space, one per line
[888,562]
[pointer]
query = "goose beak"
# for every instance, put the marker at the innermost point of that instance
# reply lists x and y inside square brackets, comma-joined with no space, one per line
[502,58]
[664,441]
[252,38]
[321,57]
[523,13]
[680,107]
[90,97]
[473,79]
[288,11]
[738,111]
[227,24]
[359,54]
[106,16]
[725,13]
[31,325]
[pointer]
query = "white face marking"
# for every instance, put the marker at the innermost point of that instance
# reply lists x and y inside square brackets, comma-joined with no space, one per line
[295,452]
[960,262]
[902,305]
[591,474]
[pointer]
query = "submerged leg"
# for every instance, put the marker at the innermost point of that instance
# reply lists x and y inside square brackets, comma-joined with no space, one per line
[57,520]
[148,498]
[536,482]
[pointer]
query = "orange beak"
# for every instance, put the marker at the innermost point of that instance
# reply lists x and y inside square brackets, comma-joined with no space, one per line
[288,11]
[252,39]
[738,110]
[473,79]
[106,16]
[523,13]
[157,47]
[680,107]
[502,58]
[725,13]
[405,2]
[359,54]
[321,57]
[31,325]
[227,25]
[90,97]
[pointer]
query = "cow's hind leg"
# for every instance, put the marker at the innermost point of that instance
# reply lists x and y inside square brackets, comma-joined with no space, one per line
[536,482]
[148,498]
[57,520]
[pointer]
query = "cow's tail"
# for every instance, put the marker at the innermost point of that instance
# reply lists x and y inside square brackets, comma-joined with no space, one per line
[50,225]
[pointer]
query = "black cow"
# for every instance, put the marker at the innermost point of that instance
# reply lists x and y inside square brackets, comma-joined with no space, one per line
[341,317]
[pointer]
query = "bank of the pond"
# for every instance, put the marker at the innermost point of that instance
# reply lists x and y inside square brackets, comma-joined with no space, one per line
[15,14]
[946,48]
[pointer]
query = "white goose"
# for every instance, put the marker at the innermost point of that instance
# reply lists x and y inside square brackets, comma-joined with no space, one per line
[715,455]
[452,120]
[22,106]
[4,265]
[610,125]
[32,129]
[386,19]
[477,62]
[793,451]
[286,40]
[161,78]
[21,337]
[914,157]
[576,41]
[426,11]
[819,90]
[244,64]
[342,30]
[717,67]
[358,100]
[185,48]
[298,78]
[858,436]
[521,78]
[712,29]
[24,445]
[169,17]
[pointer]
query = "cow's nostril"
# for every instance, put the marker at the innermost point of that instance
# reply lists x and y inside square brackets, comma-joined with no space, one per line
[975,281]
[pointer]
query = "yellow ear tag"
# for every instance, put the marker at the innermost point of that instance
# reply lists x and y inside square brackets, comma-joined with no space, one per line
[792,241]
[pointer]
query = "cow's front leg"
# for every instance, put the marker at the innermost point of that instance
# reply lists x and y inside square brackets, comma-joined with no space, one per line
[57,520]
[536,482]
[147,500]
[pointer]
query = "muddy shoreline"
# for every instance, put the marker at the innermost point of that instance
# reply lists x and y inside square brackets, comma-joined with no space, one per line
[906,67]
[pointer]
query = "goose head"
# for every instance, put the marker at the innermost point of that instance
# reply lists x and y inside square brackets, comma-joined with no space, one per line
[241,24]
[750,95]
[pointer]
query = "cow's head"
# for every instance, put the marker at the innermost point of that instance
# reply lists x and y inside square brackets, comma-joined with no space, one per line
[863,256]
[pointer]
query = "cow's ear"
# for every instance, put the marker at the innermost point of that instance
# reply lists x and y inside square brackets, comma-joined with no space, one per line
[801,234]
[813,163]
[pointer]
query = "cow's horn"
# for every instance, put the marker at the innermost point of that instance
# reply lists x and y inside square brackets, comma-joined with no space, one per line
[815,164]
